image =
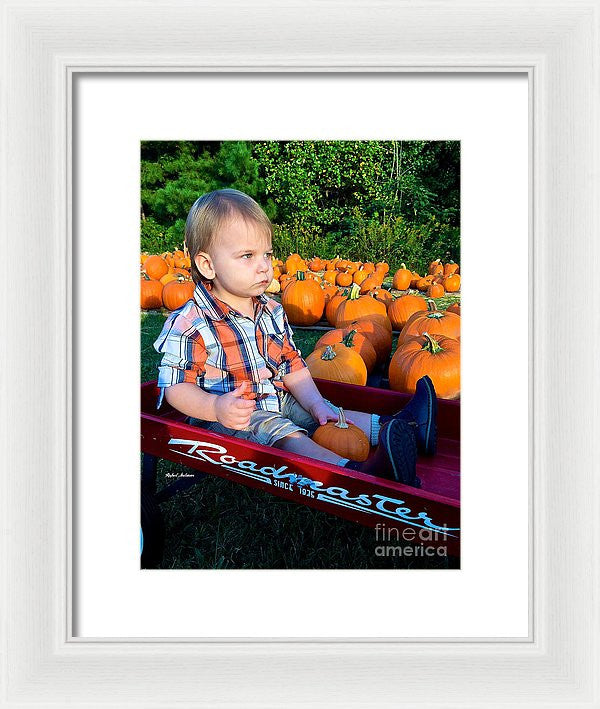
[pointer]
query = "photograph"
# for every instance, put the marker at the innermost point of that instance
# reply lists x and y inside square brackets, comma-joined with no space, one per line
[300,354]
[305,188]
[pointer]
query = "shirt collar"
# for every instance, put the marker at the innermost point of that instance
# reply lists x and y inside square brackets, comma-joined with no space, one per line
[218,310]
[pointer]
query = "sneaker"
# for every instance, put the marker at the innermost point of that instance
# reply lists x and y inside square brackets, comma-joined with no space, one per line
[396,454]
[421,414]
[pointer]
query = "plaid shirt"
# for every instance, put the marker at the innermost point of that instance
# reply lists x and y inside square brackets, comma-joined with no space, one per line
[209,343]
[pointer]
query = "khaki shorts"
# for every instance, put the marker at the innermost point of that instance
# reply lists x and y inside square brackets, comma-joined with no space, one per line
[268,427]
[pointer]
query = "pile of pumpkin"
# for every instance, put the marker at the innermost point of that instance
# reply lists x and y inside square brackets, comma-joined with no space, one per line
[341,272]
[440,279]
[428,343]
[165,280]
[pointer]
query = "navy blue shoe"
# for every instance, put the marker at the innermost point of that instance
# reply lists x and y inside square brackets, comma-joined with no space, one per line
[421,413]
[396,455]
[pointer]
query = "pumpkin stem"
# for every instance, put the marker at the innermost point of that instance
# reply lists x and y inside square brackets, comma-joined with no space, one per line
[348,340]
[403,265]
[433,312]
[354,292]
[329,354]
[341,422]
[431,345]
[300,275]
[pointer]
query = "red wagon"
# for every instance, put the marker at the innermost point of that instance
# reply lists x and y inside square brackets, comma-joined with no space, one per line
[428,516]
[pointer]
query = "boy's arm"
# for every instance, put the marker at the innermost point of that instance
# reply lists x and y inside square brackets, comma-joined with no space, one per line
[231,410]
[191,400]
[298,380]
[302,387]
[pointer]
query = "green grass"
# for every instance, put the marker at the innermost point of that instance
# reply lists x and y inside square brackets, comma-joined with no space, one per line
[218,524]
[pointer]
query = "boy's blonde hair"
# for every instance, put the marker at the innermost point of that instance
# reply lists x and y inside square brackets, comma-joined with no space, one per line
[210,212]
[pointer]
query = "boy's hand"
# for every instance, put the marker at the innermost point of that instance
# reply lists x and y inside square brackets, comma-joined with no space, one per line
[322,412]
[233,410]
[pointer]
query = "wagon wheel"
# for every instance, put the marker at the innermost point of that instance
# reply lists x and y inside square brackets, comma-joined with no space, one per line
[153,532]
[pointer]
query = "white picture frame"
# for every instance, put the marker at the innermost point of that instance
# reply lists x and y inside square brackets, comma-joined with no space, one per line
[44,46]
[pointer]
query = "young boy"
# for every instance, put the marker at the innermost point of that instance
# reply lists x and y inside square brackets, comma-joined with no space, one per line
[230,362]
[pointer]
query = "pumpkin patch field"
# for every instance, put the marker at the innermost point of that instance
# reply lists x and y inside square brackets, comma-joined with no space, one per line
[374,326]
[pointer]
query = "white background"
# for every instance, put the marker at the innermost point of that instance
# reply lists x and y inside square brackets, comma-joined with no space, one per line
[488,597]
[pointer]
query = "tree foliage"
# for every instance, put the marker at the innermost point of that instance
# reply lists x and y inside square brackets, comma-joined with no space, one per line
[367,200]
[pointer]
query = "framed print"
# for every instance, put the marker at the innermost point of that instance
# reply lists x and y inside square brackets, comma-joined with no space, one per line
[63,420]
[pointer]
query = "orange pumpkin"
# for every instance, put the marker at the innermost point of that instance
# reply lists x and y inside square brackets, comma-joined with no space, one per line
[284,279]
[433,355]
[452,283]
[454,308]
[303,301]
[316,264]
[382,320]
[450,268]
[177,293]
[424,283]
[415,279]
[330,276]
[150,293]
[402,278]
[383,295]
[402,308]
[382,266]
[329,291]
[345,439]
[433,321]
[434,267]
[337,363]
[356,306]
[380,337]
[355,340]
[156,267]
[168,277]
[375,280]
[436,290]
[343,279]
[293,265]
[333,305]
[360,276]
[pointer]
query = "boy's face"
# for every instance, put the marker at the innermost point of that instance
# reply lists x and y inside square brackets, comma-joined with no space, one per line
[239,262]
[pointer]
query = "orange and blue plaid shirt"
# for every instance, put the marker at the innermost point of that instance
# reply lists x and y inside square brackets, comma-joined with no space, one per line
[211,344]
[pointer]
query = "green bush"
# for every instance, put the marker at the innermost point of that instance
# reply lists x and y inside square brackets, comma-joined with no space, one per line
[366,200]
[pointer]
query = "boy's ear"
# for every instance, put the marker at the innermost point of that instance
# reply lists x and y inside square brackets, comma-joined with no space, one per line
[205,265]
